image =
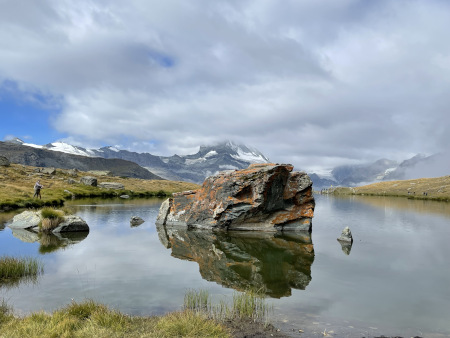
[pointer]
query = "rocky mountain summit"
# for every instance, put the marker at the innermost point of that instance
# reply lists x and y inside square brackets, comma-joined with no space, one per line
[264,197]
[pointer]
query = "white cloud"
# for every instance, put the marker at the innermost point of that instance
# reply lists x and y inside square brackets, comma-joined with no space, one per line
[311,83]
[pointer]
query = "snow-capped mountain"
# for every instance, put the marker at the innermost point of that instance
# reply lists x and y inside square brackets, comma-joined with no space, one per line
[193,168]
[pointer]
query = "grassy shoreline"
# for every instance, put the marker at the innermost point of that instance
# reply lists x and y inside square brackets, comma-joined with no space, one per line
[91,319]
[435,189]
[17,182]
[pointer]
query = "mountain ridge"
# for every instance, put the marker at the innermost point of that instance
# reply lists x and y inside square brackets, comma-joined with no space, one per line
[210,159]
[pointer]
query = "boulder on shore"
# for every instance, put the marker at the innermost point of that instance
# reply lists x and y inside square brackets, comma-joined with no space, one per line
[111,185]
[89,180]
[266,197]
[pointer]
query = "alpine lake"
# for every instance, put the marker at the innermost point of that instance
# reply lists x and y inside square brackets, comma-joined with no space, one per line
[393,281]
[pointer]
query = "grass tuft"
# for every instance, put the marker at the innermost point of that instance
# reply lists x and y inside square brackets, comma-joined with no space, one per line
[12,268]
[247,305]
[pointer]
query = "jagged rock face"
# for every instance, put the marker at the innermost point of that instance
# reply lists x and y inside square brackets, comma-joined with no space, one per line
[270,262]
[262,197]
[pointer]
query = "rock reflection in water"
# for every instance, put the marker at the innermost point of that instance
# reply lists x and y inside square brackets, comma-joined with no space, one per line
[58,241]
[346,247]
[50,242]
[274,263]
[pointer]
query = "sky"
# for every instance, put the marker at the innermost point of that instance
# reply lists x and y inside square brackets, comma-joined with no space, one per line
[312,83]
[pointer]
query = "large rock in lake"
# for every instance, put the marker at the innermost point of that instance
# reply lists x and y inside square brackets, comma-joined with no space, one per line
[265,197]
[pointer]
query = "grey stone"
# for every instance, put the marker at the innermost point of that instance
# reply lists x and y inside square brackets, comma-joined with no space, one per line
[124,196]
[135,221]
[4,162]
[72,172]
[163,212]
[346,236]
[100,172]
[48,171]
[89,180]
[71,181]
[111,185]
[25,220]
[71,223]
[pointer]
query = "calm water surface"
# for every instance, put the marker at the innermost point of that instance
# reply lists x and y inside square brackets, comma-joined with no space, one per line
[395,279]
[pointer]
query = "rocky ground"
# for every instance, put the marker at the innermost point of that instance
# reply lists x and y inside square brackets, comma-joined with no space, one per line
[250,329]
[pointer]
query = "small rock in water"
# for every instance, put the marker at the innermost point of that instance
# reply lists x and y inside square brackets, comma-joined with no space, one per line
[124,196]
[135,221]
[346,236]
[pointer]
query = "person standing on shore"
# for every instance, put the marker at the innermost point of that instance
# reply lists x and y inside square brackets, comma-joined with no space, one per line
[37,189]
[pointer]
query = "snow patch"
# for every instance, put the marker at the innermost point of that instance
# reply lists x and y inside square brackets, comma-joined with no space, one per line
[69,149]
[227,167]
[194,161]
[32,145]
[211,153]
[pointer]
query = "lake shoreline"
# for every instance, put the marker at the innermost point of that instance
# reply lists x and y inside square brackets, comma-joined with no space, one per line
[432,189]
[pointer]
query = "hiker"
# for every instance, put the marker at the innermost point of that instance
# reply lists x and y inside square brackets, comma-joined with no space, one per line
[37,189]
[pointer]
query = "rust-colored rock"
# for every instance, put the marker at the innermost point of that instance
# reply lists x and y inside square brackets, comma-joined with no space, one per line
[265,197]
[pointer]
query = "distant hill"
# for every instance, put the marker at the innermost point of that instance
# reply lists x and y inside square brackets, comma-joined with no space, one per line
[39,157]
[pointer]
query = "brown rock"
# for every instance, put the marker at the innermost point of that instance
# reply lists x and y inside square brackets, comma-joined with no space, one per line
[262,197]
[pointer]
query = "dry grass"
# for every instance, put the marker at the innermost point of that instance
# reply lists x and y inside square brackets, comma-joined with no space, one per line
[90,319]
[437,189]
[424,188]
[17,182]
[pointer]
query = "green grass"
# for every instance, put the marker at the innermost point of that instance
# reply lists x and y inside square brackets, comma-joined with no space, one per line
[91,319]
[199,318]
[13,269]
[17,181]
[246,305]
[435,189]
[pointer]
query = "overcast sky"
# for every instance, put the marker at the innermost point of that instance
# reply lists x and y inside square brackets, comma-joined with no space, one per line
[312,83]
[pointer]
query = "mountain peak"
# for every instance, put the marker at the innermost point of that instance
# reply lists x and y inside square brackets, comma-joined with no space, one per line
[235,150]
[15,140]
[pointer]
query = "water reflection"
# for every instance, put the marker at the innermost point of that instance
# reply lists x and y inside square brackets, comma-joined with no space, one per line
[401,203]
[274,263]
[50,242]
[346,247]
[53,242]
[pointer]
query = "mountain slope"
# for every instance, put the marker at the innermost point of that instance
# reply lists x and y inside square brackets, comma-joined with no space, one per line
[33,156]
